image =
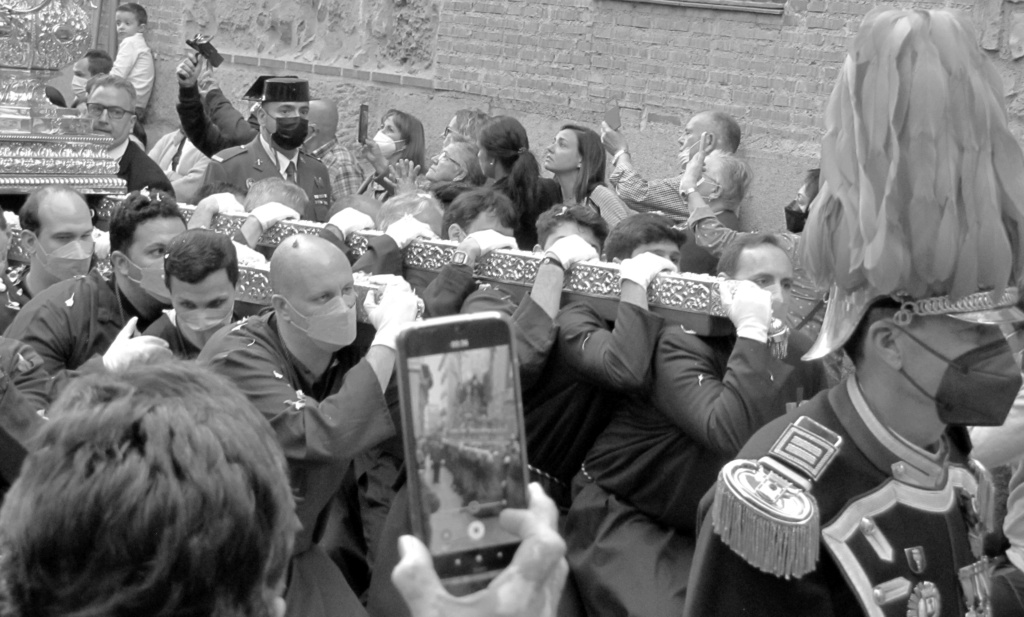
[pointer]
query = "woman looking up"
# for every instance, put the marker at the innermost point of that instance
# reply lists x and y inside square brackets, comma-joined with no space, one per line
[400,138]
[505,156]
[576,158]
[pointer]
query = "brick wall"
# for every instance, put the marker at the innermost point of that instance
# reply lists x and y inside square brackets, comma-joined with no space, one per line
[554,61]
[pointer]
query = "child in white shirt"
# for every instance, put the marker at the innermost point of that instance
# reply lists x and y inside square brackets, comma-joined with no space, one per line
[134,60]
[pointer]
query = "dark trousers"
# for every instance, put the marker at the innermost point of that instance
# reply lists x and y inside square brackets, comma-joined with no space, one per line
[1007,591]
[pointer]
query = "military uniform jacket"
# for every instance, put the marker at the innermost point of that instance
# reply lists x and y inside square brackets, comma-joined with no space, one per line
[244,165]
[71,322]
[893,540]
[25,391]
[12,294]
[321,423]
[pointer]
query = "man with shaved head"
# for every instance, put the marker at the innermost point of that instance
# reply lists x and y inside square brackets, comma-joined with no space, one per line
[346,174]
[320,377]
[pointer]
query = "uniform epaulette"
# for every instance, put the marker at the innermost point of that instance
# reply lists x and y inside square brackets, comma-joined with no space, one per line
[764,510]
[230,153]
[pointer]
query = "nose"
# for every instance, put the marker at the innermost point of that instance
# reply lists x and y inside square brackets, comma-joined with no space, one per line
[780,300]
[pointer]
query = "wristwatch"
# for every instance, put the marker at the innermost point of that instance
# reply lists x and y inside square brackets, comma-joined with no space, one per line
[460,258]
[686,192]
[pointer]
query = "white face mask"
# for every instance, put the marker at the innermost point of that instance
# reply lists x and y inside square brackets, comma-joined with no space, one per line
[78,85]
[387,145]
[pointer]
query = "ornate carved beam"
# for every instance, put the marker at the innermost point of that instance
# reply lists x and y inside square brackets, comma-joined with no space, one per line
[691,300]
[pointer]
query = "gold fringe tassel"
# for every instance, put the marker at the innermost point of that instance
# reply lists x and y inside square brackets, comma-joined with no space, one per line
[788,549]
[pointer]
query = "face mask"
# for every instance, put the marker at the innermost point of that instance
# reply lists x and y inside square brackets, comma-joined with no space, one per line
[334,327]
[291,132]
[67,261]
[150,279]
[78,84]
[795,217]
[978,387]
[387,145]
[686,155]
[204,322]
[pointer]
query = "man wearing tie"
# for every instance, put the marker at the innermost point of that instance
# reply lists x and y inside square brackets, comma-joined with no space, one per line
[283,114]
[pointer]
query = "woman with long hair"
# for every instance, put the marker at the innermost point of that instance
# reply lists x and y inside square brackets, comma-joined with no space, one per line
[400,138]
[505,157]
[576,158]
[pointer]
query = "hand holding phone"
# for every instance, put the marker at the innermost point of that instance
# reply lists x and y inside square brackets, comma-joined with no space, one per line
[530,586]
[464,441]
[364,122]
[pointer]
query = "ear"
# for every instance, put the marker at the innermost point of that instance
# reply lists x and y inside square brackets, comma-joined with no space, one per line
[120,263]
[29,240]
[277,301]
[882,340]
[537,248]
[455,233]
[715,194]
[459,177]
[616,260]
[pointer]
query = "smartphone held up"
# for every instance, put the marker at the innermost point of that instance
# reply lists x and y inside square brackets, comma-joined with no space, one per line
[464,441]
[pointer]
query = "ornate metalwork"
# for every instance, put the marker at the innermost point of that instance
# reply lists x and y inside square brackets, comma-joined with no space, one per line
[31,160]
[40,34]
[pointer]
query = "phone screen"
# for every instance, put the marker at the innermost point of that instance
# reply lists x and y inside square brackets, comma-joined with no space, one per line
[465,424]
[613,118]
[364,121]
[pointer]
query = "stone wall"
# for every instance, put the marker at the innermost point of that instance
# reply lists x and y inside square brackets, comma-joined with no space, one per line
[554,61]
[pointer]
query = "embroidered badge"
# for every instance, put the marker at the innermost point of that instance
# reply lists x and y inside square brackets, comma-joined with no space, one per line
[808,446]
[924,600]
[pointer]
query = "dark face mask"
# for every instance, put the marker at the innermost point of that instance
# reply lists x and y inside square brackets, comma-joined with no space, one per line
[978,387]
[291,132]
[795,218]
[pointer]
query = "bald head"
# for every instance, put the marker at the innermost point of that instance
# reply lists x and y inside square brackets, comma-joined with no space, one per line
[304,266]
[323,113]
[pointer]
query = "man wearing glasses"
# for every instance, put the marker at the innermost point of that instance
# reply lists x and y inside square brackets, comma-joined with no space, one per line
[111,106]
[283,115]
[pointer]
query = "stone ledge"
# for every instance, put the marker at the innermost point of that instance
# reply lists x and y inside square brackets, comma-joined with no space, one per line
[328,70]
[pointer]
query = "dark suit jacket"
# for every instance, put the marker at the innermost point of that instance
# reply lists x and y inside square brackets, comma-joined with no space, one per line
[244,165]
[223,128]
[140,171]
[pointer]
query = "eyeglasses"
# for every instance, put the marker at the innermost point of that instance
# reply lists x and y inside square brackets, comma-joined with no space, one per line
[96,110]
[444,157]
[448,131]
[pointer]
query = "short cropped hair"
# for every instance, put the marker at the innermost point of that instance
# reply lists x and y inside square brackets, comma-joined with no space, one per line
[157,491]
[639,229]
[137,208]
[734,176]
[727,130]
[215,188]
[465,154]
[113,81]
[471,204]
[28,216]
[584,216]
[729,262]
[883,308]
[406,204]
[468,123]
[276,189]
[135,9]
[198,253]
[98,61]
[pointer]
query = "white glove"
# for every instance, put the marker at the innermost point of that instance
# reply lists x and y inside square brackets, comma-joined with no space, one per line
[749,308]
[406,229]
[225,203]
[126,351]
[11,218]
[571,250]
[272,213]
[489,240]
[643,268]
[101,243]
[349,220]
[398,306]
